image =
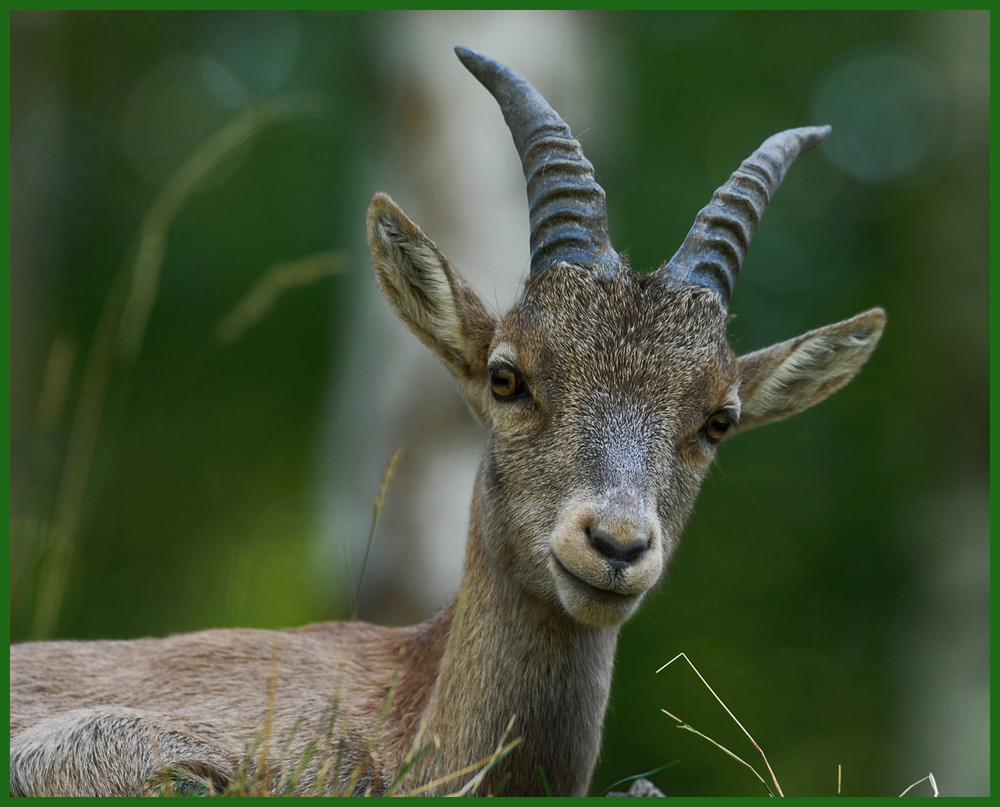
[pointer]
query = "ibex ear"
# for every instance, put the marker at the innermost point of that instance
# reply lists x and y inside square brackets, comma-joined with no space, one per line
[786,378]
[431,298]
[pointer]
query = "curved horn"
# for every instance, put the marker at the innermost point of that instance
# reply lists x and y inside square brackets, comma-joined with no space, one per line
[714,249]
[567,210]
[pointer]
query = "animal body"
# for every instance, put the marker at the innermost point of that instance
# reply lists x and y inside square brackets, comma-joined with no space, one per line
[605,394]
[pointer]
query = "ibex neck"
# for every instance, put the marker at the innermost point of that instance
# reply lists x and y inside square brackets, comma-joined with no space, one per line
[511,655]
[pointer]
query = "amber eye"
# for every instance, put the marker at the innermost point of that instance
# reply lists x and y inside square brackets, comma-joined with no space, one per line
[506,383]
[717,425]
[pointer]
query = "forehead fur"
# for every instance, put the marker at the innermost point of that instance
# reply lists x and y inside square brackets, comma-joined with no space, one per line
[629,333]
[571,303]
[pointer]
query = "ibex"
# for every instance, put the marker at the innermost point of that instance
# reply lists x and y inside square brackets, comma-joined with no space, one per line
[605,394]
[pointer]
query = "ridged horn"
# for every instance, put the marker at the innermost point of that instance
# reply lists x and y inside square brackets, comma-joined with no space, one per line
[566,207]
[714,249]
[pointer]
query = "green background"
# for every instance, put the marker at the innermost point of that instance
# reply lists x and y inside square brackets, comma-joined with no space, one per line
[833,582]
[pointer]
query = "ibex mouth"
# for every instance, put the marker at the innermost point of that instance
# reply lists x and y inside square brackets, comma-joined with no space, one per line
[611,587]
[594,605]
[607,602]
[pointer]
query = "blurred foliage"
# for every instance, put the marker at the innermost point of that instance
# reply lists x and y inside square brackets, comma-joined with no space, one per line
[833,581]
[203,468]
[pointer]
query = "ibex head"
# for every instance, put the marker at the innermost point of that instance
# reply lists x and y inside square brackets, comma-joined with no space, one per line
[605,392]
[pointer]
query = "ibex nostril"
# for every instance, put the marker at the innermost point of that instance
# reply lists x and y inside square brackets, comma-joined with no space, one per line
[613,549]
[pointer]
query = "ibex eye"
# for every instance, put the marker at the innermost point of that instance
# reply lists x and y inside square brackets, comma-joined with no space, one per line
[717,425]
[506,383]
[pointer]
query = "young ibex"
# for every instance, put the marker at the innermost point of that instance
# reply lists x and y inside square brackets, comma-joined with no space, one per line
[605,394]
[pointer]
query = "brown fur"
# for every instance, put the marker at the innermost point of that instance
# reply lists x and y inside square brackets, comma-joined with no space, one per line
[583,492]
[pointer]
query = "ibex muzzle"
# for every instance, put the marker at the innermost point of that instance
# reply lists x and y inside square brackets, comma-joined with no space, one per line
[605,394]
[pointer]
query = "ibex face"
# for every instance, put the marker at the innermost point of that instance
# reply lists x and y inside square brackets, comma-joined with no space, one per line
[608,397]
[605,392]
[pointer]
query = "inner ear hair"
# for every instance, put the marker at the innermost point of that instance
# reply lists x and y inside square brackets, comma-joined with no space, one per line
[786,378]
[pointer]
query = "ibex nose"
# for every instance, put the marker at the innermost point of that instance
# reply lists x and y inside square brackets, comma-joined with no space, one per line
[620,551]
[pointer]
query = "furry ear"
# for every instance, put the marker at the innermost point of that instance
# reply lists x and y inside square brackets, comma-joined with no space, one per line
[788,377]
[430,297]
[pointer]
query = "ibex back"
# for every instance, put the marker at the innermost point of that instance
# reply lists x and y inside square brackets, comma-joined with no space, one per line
[605,394]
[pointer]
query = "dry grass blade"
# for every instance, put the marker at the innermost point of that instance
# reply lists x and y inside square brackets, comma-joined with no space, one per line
[687,727]
[120,330]
[76,465]
[774,778]
[480,768]
[928,778]
[152,241]
[383,493]
[28,535]
[383,489]
[412,758]
[373,737]
[503,748]
[56,378]
[282,277]
[272,689]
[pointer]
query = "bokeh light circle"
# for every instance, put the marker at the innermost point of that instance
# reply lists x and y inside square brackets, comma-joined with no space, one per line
[888,111]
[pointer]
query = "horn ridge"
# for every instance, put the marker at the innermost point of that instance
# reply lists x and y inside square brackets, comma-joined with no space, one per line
[567,209]
[717,243]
